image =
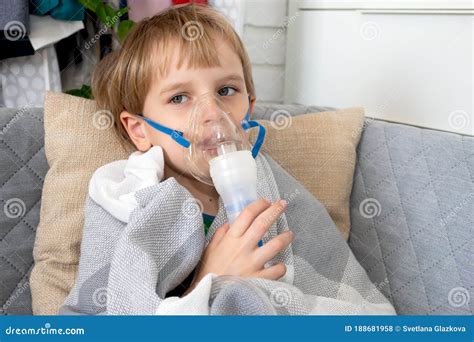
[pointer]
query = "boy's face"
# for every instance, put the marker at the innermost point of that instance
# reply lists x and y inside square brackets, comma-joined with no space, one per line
[171,99]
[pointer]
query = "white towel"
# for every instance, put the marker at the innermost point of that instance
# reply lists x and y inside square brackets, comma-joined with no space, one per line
[113,185]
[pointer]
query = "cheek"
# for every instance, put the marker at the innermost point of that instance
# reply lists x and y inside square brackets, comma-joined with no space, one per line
[173,154]
[237,119]
[238,123]
[155,137]
[172,151]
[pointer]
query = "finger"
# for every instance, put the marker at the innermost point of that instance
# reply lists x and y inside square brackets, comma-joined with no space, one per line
[264,221]
[274,272]
[269,250]
[247,216]
[220,233]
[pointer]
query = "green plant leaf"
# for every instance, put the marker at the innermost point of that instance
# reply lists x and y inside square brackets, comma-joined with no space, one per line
[110,16]
[124,27]
[90,4]
[101,14]
[122,11]
[85,91]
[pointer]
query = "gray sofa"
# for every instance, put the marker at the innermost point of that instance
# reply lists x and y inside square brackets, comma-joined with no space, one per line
[412,208]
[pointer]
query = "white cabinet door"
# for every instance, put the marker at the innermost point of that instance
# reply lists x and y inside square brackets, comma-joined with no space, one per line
[414,68]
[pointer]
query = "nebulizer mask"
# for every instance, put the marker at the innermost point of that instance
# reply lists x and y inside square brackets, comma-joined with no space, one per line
[218,152]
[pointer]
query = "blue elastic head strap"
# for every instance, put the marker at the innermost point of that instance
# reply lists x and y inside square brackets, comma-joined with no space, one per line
[246,125]
[174,134]
[178,135]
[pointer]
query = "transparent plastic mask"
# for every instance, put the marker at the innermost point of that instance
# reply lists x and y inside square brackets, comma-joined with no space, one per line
[212,131]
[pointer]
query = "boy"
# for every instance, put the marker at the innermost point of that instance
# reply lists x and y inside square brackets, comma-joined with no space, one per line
[149,258]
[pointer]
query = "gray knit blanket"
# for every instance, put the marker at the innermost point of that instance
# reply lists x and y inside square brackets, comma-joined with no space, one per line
[128,268]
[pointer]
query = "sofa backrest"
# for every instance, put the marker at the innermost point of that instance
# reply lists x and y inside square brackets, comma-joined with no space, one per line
[412,217]
[23,167]
[412,209]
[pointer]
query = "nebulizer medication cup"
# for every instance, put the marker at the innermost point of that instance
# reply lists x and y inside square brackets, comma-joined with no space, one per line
[235,178]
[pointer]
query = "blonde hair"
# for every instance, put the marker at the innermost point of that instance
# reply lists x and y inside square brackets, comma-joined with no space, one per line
[122,79]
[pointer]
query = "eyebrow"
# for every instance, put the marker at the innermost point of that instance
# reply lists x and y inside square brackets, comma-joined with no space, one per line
[173,86]
[233,77]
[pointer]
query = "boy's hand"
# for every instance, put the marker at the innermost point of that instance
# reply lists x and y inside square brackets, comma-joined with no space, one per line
[233,249]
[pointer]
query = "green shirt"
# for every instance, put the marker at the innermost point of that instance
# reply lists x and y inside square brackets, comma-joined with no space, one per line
[207,222]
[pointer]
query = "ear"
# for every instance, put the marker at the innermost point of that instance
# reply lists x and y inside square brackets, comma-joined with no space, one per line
[136,131]
[252,104]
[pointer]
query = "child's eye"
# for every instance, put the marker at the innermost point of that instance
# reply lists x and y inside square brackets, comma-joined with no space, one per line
[226,91]
[178,99]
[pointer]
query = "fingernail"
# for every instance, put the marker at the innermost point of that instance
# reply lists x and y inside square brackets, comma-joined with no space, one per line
[283,203]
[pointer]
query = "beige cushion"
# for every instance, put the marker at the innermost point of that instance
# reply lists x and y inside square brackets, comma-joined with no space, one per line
[75,147]
[319,150]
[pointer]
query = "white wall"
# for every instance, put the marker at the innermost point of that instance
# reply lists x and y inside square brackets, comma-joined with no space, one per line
[262,27]
[265,39]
